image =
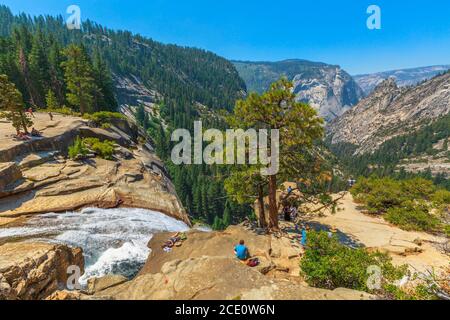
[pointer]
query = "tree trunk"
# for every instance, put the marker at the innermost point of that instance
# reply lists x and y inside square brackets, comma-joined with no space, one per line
[262,214]
[273,210]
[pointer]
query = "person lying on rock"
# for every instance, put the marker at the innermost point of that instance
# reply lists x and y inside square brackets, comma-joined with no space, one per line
[241,251]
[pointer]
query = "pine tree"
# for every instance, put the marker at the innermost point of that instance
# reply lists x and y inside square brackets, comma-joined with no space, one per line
[298,125]
[105,96]
[39,67]
[56,72]
[11,105]
[217,224]
[227,215]
[51,101]
[79,79]
[162,147]
[140,115]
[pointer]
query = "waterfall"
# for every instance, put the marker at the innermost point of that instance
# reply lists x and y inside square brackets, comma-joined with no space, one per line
[113,240]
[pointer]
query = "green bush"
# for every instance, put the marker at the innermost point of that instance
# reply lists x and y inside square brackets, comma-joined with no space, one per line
[407,203]
[447,230]
[329,264]
[441,197]
[418,188]
[62,110]
[413,216]
[77,149]
[103,117]
[378,194]
[420,292]
[104,149]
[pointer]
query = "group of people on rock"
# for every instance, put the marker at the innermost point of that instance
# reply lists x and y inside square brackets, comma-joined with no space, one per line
[34,133]
[290,213]
[24,136]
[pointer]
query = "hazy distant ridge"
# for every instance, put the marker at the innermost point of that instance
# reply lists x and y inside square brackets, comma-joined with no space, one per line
[403,77]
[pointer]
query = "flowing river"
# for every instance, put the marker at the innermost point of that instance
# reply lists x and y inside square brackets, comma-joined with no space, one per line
[113,240]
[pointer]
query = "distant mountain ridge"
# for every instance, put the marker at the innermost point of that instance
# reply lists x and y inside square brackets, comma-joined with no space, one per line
[391,111]
[328,88]
[403,77]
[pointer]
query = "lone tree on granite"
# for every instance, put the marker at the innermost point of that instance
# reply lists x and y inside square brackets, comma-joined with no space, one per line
[299,127]
[11,105]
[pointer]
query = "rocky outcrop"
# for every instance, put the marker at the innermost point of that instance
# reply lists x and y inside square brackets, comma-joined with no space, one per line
[391,111]
[200,244]
[35,270]
[218,278]
[328,88]
[204,267]
[52,183]
[9,173]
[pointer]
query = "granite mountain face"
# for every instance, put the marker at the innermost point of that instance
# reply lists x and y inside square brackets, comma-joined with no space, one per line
[391,111]
[328,88]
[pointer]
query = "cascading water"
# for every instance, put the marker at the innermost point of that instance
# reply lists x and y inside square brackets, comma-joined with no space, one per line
[113,240]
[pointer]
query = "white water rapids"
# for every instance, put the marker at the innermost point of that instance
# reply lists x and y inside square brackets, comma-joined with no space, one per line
[113,240]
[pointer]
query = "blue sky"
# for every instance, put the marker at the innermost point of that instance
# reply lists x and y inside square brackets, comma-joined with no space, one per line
[414,32]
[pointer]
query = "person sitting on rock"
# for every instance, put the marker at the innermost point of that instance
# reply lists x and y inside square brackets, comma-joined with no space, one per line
[241,251]
[35,133]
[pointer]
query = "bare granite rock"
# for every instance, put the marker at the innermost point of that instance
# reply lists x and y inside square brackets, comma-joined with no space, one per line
[31,271]
[9,173]
[221,278]
[135,178]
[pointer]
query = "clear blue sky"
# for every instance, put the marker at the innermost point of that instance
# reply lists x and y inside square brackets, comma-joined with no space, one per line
[414,32]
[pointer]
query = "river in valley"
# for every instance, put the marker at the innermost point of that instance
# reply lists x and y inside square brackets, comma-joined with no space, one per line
[113,240]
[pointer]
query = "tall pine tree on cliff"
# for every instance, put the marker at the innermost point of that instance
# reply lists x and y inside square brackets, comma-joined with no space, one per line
[298,125]
[79,79]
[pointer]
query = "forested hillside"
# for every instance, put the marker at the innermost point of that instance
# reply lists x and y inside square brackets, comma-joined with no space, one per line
[46,61]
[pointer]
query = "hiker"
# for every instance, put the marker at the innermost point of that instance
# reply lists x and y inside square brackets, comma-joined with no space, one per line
[351,182]
[30,111]
[287,213]
[241,251]
[293,213]
[303,237]
[35,133]
[51,116]
[289,189]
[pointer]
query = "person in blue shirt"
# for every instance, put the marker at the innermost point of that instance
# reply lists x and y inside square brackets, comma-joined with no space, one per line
[303,236]
[241,251]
